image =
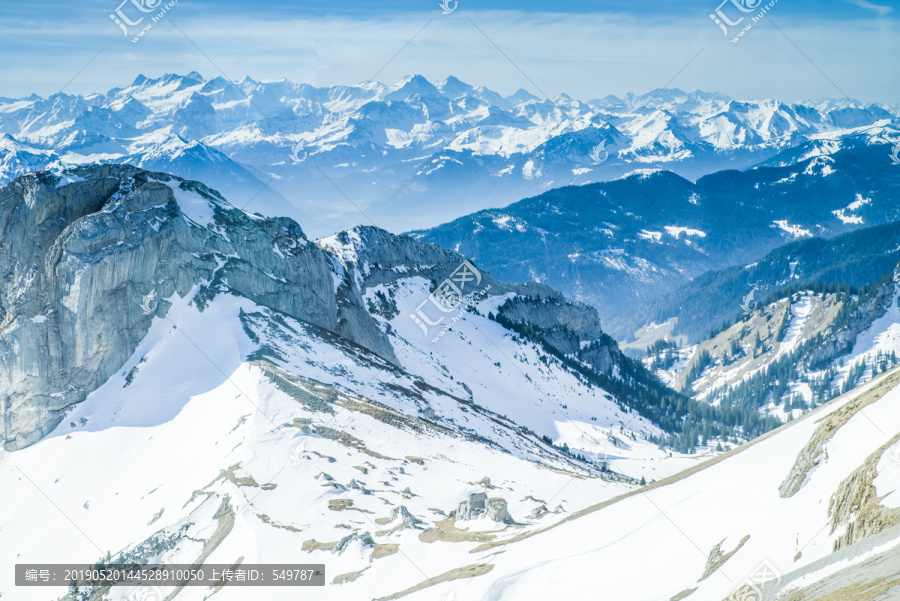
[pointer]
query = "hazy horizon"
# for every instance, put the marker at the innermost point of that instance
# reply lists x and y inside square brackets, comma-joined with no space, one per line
[793,53]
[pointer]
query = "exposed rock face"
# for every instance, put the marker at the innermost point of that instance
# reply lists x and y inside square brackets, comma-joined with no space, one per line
[403,519]
[717,557]
[90,257]
[363,537]
[856,505]
[497,510]
[355,485]
[814,451]
[602,357]
[485,482]
[563,324]
[571,328]
[842,339]
[472,507]
[374,256]
[85,267]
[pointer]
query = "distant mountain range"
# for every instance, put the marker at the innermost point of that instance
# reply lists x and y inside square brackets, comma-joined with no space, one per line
[850,261]
[623,244]
[407,156]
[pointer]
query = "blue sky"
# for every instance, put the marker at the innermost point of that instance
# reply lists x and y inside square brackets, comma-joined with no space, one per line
[798,50]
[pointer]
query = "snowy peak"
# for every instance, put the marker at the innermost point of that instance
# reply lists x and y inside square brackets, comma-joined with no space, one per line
[454,88]
[521,96]
[410,87]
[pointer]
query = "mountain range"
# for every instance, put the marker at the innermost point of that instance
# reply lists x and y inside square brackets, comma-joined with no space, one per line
[407,156]
[136,303]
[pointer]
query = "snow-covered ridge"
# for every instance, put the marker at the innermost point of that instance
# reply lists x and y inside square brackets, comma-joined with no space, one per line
[792,354]
[311,451]
[127,229]
[276,390]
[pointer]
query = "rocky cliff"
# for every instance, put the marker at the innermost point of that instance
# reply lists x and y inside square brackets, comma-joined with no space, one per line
[89,257]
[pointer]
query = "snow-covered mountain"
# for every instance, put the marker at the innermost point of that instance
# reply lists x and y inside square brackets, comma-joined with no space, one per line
[849,264]
[261,397]
[140,311]
[384,407]
[795,352]
[411,155]
[809,513]
[94,256]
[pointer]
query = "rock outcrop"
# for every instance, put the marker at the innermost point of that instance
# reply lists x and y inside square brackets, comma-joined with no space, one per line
[402,519]
[85,267]
[478,505]
[563,324]
[814,451]
[856,506]
[472,507]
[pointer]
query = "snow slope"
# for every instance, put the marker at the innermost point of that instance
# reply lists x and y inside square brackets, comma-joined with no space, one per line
[655,543]
[235,432]
[271,456]
[189,425]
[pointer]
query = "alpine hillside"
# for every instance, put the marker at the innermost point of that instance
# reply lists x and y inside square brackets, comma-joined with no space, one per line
[355,400]
[626,243]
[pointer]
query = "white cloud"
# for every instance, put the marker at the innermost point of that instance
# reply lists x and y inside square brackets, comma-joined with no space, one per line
[878,8]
